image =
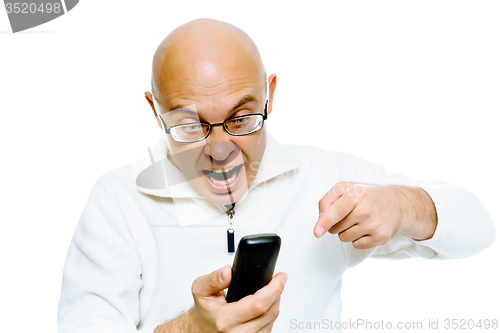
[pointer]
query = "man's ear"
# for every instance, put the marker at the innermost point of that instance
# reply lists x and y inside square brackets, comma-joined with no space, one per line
[149,98]
[272,87]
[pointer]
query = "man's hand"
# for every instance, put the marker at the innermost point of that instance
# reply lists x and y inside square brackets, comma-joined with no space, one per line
[253,313]
[211,312]
[369,215]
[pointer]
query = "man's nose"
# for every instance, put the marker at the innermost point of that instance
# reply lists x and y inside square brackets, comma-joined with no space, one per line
[219,145]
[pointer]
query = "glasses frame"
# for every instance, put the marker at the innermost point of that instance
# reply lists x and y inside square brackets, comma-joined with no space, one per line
[223,124]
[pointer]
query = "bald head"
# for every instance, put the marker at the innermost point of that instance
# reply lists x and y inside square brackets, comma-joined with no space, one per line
[210,71]
[204,51]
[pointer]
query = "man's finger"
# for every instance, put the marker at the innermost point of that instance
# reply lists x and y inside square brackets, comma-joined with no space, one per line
[353,233]
[364,243]
[273,313]
[336,213]
[346,223]
[269,327]
[255,305]
[333,195]
[212,283]
[258,323]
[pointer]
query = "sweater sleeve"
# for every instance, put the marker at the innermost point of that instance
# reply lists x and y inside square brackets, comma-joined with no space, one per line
[102,272]
[464,226]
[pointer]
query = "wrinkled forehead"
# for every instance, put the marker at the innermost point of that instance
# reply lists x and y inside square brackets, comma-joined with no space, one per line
[207,80]
[217,93]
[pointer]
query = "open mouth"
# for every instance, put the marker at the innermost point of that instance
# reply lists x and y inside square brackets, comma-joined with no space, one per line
[223,176]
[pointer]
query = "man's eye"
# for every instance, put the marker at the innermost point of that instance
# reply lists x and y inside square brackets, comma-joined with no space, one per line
[190,127]
[237,121]
[193,128]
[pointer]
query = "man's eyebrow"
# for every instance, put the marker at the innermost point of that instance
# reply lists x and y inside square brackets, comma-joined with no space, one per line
[180,108]
[245,99]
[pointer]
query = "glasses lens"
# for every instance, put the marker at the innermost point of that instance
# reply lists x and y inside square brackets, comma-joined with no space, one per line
[189,132]
[244,125]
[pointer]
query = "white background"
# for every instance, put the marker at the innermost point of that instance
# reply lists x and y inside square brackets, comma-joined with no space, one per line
[412,85]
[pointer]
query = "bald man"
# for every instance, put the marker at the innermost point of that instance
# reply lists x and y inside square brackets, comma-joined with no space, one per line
[148,250]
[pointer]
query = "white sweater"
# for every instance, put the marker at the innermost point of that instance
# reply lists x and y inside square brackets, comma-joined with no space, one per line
[139,246]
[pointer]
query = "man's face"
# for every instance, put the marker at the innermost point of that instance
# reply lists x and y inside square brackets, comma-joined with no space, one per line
[208,92]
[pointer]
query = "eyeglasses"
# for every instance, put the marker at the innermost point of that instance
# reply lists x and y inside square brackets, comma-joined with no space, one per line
[197,131]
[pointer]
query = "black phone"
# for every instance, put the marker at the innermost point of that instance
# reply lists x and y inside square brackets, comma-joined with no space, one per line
[253,265]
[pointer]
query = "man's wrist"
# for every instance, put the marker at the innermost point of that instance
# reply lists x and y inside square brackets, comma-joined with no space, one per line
[418,213]
[182,323]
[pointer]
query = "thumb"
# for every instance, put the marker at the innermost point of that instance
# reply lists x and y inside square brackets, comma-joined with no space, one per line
[212,283]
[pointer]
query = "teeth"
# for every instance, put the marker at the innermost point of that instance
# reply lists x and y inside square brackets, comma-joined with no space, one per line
[222,182]
[223,170]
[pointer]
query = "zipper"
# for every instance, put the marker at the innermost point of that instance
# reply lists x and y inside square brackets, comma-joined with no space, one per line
[230,227]
[230,215]
[230,230]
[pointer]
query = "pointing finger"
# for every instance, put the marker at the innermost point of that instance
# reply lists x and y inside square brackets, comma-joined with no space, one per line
[336,213]
[333,195]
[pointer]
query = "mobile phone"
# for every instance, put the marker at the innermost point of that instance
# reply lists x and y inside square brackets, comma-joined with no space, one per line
[253,265]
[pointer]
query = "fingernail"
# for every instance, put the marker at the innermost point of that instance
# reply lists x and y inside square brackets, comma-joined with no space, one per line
[321,231]
[285,278]
[221,274]
[320,215]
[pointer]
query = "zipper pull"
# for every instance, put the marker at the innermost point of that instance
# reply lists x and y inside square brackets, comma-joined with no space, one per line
[230,231]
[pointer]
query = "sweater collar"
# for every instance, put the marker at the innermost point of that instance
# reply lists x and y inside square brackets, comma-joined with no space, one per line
[157,176]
